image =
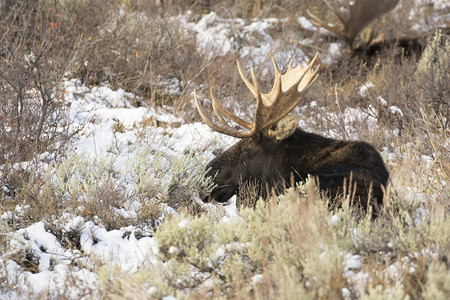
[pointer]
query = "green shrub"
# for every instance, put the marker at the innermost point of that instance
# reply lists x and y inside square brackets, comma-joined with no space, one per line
[174,180]
[98,189]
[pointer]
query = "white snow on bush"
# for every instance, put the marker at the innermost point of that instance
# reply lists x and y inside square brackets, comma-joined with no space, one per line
[107,124]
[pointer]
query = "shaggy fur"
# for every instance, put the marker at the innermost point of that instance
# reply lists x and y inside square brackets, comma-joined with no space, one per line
[274,163]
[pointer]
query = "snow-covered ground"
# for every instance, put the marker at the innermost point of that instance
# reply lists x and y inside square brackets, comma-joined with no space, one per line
[112,128]
[98,111]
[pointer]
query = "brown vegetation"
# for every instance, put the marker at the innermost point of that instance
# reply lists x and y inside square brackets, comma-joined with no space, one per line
[290,245]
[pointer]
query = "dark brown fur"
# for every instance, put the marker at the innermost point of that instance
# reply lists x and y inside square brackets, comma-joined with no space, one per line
[274,163]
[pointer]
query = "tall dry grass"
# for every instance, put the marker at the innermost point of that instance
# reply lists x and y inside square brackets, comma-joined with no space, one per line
[292,246]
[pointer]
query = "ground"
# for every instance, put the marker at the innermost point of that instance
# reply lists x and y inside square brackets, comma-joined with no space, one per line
[117,213]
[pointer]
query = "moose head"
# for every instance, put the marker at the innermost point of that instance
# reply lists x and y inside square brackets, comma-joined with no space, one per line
[273,151]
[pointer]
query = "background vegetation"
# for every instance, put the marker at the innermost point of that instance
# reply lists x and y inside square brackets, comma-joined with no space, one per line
[287,247]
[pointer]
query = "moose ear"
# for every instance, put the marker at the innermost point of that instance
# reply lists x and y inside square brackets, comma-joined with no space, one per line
[283,128]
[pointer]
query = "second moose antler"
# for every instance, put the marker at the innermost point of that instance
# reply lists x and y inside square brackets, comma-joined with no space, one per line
[287,91]
[359,15]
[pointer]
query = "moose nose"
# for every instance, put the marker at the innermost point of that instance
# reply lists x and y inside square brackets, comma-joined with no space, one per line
[205,198]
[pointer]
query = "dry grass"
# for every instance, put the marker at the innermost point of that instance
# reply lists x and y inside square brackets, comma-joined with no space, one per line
[292,246]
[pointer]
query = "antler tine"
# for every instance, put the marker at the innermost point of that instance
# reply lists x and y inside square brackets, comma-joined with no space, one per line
[255,82]
[294,84]
[291,62]
[222,129]
[205,118]
[311,76]
[336,12]
[220,110]
[252,88]
[217,111]
[359,15]
[272,97]
[275,65]
[319,23]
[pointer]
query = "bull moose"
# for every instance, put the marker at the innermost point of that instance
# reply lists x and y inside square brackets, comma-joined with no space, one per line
[273,151]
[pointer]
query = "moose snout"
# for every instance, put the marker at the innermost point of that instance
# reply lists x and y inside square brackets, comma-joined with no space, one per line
[205,198]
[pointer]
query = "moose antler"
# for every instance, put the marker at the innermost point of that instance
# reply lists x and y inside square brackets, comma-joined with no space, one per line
[359,15]
[287,91]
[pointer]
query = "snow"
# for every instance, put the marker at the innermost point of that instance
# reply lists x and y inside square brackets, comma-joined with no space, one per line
[306,23]
[109,125]
[251,40]
[213,40]
[351,262]
[54,261]
[257,279]
[364,89]
[93,113]
[128,253]
[346,294]
[334,51]
[334,220]
[395,110]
